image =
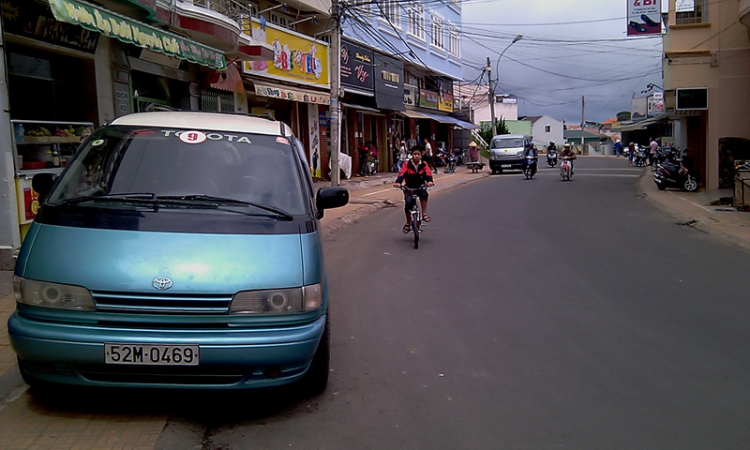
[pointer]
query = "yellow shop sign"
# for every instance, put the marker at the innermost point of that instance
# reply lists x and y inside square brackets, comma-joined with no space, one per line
[295,57]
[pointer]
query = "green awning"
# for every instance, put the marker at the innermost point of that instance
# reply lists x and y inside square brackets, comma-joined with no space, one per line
[125,29]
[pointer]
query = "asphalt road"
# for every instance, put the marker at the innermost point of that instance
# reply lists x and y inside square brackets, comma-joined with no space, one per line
[535,315]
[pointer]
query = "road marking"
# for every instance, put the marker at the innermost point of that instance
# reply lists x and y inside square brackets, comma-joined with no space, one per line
[376,192]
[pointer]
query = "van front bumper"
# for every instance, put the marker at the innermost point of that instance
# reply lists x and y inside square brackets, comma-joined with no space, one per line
[507,164]
[230,358]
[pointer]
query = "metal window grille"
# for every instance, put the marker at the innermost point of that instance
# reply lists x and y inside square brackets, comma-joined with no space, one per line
[691,12]
[217,100]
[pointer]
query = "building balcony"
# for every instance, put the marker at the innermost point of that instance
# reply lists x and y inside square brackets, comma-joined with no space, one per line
[217,23]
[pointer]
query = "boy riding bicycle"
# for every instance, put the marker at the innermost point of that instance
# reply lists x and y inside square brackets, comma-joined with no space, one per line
[414,174]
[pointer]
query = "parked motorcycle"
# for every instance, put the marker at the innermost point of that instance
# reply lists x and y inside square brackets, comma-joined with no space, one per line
[552,157]
[672,173]
[640,156]
[460,156]
[530,168]
[372,166]
[450,163]
[440,156]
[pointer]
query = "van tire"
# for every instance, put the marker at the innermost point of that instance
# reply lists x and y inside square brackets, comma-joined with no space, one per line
[316,379]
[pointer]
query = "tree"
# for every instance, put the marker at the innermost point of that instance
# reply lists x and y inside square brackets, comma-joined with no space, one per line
[501,128]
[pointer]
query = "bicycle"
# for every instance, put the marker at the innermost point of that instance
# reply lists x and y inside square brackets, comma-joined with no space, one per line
[415,213]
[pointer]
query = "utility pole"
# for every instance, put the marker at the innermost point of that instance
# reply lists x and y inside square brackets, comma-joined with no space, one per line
[583,119]
[491,95]
[335,128]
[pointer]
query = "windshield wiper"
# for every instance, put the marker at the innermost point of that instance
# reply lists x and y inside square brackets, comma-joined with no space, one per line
[136,197]
[223,201]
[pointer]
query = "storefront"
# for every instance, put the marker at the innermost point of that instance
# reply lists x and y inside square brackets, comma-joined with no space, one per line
[294,88]
[68,73]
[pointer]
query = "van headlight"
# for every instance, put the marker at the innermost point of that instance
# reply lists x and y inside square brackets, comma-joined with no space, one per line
[52,295]
[277,301]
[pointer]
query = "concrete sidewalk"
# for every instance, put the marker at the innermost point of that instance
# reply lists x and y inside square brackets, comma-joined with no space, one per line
[708,211]
[27,424]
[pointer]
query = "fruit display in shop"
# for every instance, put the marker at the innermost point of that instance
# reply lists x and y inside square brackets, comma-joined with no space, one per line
[64,132]
[39,132]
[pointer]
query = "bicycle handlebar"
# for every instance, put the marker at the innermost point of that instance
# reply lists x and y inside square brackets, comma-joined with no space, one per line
[413,190]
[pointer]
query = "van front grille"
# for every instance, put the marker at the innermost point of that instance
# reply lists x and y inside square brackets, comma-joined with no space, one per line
[162,304]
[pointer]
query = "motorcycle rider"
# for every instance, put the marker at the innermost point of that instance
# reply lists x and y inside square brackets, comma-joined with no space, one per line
[568,154]
[531,152]
[551,152]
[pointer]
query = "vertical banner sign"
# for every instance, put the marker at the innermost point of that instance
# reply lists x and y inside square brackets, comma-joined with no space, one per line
[389,83]
[644,17]
[356,67]
[314,123]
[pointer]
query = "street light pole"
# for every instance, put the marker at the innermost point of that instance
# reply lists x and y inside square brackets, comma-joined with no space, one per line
[492,89]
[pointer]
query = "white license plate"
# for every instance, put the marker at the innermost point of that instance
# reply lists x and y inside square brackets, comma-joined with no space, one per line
[506,166]
[152,355]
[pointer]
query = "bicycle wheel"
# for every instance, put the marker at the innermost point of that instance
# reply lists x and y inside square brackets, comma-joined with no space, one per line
[416,224]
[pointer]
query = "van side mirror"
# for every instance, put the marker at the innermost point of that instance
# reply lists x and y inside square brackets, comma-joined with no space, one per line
[330,197]
[42,184]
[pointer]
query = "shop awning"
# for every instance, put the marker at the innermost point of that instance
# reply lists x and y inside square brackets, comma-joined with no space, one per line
[413,114]
[465,124]
[642,125]
[452,120]
[125,29]
[439,118]
[361,108]
[273,90]
[230,80]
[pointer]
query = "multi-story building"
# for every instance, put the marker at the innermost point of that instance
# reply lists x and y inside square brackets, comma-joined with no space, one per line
[412,50]
[706,70]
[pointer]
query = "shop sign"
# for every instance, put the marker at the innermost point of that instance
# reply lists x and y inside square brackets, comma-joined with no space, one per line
[314,136]
[296,58]
[356,66]
[655,104]
[638,108]
[644,17]
[114,25]
[445,101]
[389,82]
[428,99]
[293,95]
[691,98]
[410,94]
[33,20]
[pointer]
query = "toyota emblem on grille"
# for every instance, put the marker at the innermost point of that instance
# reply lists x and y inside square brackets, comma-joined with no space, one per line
[162,283]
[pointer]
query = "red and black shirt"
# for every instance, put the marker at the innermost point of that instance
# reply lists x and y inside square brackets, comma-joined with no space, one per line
[415,176]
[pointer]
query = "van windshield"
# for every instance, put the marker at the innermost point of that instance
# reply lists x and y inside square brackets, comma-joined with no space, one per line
[507,143]
[169,163]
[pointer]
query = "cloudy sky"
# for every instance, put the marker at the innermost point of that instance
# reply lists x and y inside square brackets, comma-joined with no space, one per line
[571,49]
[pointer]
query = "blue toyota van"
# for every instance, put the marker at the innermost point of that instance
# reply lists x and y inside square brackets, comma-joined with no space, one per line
[177,250]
